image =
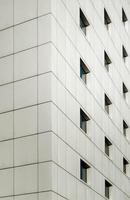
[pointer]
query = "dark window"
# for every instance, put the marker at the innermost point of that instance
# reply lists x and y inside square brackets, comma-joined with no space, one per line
[125,90]
[107,189]
[84,171]
[83,22]
[125,164]
[83,71]
[107,146]
[107,103]
[107,19]
[107,61]
[125,126]
[124,53]
[124,17]
[83,120]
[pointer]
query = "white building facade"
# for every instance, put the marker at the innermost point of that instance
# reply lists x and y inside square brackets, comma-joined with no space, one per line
[64,99]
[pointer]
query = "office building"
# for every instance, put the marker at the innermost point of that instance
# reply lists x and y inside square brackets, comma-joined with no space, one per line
[64,99]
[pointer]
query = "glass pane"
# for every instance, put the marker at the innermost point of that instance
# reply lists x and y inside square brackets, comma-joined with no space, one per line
[107,67]
[124,131]
[82,74]
[124,168]
[84,126]
[107,149]
[107,108]
[82,25]
[84,77]
[84,174]
[107,192]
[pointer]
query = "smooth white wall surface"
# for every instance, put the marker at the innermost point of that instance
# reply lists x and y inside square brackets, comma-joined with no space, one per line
[25,105]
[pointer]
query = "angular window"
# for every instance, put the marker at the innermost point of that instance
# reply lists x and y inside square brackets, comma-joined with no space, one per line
[107,104]
[125,165]
[107,20]
[83,22]
[107,61]
[83,120]
[84,171]
[107,189]
[107,146]
[125,127]
[83,71]
[124,17]
[125,90]
[124,53]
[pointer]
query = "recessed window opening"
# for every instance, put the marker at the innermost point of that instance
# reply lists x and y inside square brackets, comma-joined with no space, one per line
[83,120]
[83,71]
[83,22]
[107,61]
[107,104]
[84,171]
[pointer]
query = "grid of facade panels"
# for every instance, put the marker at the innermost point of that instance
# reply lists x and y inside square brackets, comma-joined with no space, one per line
[64,99]
[25,103]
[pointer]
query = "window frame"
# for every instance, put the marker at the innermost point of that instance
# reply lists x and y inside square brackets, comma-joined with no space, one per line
[108,185]
[83,120]
[124,53]
[107,102]
[107,20]
[125,90]
[84,171]
[125,127]
[107,61]
[83,68]
[124,16]
[125,164]
[83,21]
[107,146]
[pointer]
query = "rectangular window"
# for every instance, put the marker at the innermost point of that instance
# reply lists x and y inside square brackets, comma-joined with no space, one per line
[107,104]
[107,189]
[107,61]
[125,164]
[83,120]
[107,20]
[124,53]
[125,90]
[84,171]
[124,17]
[125,127]
[107,146]
[83,71]
[83,22]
